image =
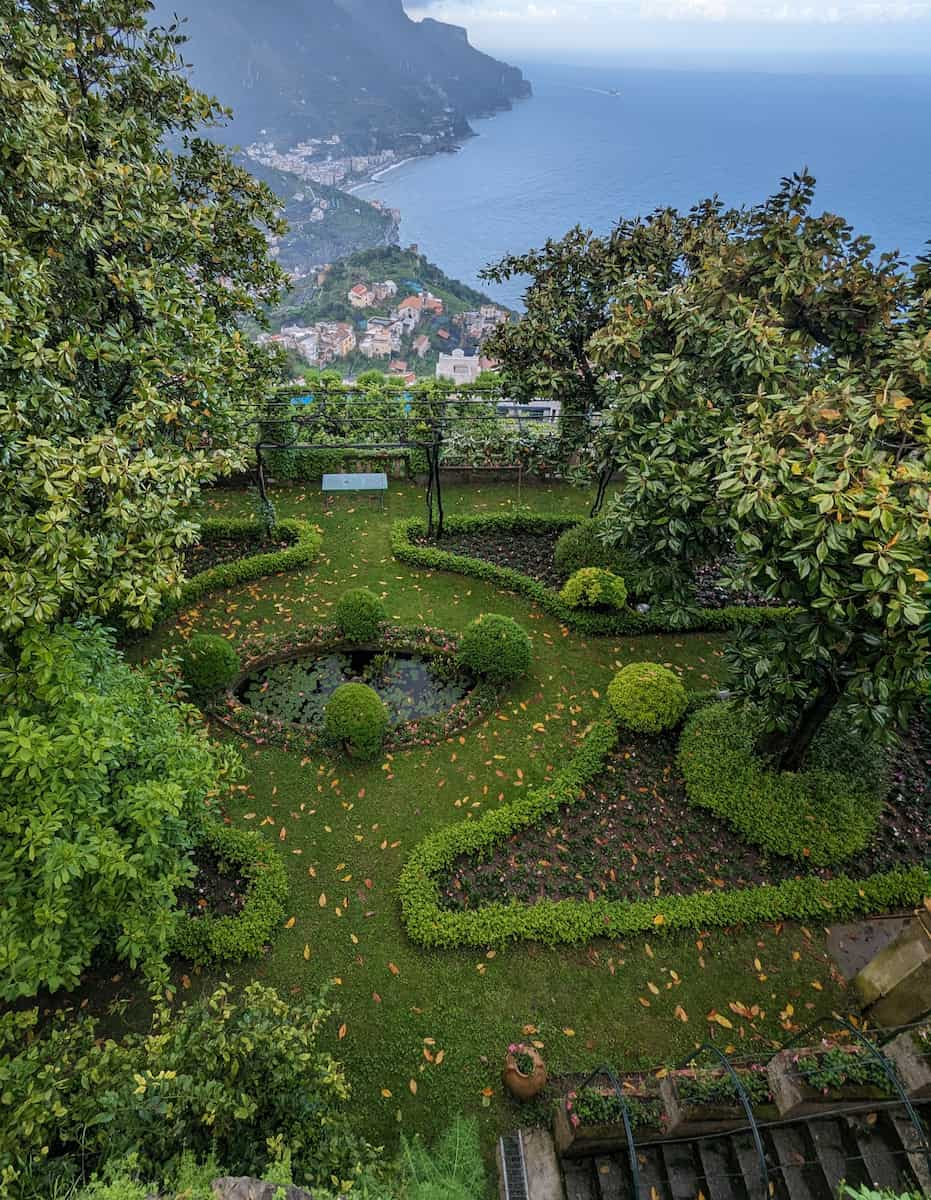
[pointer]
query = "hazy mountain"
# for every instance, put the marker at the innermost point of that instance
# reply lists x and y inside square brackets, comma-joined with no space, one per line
[362,68]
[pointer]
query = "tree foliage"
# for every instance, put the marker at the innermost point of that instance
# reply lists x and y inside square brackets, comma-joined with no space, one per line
[130,246]
[765,379]
[238,1080]
[104,787]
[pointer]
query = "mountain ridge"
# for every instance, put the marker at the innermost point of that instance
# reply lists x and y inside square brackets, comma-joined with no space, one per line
[362,69]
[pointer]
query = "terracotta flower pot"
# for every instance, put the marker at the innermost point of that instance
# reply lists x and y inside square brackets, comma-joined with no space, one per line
[520,1085]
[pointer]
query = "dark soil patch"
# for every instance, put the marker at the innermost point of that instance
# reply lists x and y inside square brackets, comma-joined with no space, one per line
[532,554]
[216,890]
[207,555]
[529,553]
[634,836]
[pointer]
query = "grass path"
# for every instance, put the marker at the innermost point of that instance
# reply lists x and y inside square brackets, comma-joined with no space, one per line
[344,831]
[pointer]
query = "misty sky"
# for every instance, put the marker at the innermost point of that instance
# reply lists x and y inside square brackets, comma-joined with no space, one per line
[715,29]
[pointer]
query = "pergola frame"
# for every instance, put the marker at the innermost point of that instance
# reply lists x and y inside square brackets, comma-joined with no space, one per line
[431,412]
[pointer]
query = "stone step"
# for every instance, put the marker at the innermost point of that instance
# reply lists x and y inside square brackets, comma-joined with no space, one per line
[612,1175]
[722,1175]
[796,1157]
[578,1177]
[681,1170]
[884,1161]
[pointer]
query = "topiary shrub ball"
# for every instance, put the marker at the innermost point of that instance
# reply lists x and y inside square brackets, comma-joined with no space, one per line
[356,718]
[359,614]
[208,664]
[593,587]
[581,547]
[647,698]
[496,648]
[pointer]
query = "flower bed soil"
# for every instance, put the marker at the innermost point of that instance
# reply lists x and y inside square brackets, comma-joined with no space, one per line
[634,835]
[532,554]
[215,891]
[207,555]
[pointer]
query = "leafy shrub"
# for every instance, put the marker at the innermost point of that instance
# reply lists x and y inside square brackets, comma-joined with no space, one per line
[593,587]
[218,1078]
[359,614]
[209,664]
[581,546]
[429,923]
[820,814]
[405,536]
[864,1192]
[593,1107]
[496,648]
[647,697]
[357,718]
[717,1087]
[838,1068]
[104,790]
[207,938]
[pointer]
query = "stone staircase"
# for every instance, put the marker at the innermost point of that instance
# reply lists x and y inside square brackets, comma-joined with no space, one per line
[806,1159]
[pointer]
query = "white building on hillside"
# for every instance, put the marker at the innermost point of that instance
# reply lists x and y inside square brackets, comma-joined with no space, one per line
[459,367]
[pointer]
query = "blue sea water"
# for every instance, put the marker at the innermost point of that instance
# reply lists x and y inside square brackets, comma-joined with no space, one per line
[576,154]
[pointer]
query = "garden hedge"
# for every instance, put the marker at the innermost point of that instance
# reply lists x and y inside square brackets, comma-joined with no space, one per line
[305,542]
[821,815]
[573,921]
[211,939]
[629,621]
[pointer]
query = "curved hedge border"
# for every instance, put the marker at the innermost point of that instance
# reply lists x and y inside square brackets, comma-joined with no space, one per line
[208,939]
[305,540]
[817,814]
[573,921]
[629,621]
[480,702]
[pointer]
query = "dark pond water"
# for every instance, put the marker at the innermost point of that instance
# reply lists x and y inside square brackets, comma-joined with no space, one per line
[411,685]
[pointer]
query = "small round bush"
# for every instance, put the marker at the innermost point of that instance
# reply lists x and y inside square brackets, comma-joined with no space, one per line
[593,587]
[359,614]
[357,718]
[647,698]
[208,664]
[581,547]
[496,648]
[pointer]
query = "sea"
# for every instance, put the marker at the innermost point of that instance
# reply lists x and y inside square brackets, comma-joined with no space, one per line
[594,145]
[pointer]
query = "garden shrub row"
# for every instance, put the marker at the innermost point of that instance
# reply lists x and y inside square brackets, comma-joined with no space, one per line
[309,465]
[207,939]
[404,536]
[821,814]
[576,922]
[305,542]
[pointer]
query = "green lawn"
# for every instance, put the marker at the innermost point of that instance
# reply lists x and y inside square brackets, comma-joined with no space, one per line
[345,830]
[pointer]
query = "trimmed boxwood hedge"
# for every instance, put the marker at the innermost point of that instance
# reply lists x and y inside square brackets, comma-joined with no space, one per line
[211,939]
[305,540]
[629,621]
[573,921]
[822,815]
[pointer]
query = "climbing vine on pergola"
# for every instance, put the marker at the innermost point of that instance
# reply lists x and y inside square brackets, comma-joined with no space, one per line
[345,418]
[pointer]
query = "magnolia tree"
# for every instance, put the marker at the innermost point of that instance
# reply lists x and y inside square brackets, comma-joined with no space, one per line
[764,382]
[829,504]
[130,247]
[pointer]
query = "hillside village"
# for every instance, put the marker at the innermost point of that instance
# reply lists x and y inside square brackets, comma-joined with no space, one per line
[404,327]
